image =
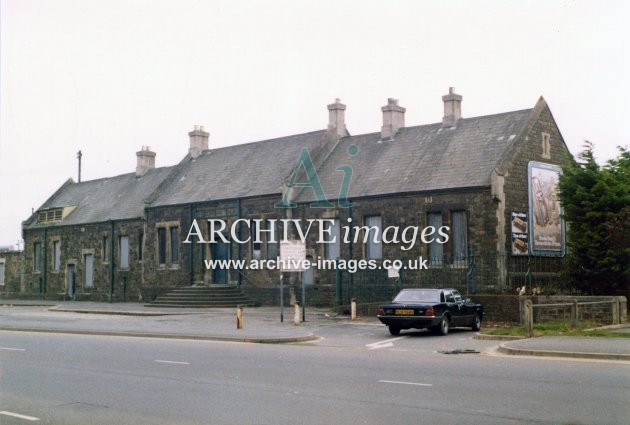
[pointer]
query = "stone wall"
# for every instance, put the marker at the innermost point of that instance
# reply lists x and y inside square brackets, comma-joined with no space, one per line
[602,313]
[109,279]
[13,273]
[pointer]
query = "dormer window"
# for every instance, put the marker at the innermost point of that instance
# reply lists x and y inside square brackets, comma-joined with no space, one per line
[54,215]
[50,216]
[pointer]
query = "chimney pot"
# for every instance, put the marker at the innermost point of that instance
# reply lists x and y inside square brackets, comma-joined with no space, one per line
[336,119]
[198,141]
[393,119]
[452,108]
[145,161]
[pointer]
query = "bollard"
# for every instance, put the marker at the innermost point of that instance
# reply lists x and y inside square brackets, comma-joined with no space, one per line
[529,319]
[296,316]
[353,309]
[239,317]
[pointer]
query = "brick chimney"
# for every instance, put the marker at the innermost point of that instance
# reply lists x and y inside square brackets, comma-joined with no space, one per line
[198,141]
[452,108]
[146,161]
[337,120]
[393,119]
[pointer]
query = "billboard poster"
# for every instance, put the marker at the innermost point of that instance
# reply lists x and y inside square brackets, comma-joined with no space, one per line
[545,223]
[520,233]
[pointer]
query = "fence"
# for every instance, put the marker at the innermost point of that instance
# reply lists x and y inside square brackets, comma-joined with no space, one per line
[488,274]
[574,306]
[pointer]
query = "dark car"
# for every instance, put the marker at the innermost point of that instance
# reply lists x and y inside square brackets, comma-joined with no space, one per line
[435,309]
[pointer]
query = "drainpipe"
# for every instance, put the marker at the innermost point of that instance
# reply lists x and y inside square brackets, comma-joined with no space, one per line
[238,246]
[45,258]
[350,252]
[111,263]
[191,249]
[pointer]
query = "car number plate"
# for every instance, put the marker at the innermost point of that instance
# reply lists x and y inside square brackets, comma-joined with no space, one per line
[404,313]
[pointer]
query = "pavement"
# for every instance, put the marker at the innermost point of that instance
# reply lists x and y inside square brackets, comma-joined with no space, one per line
[260,325]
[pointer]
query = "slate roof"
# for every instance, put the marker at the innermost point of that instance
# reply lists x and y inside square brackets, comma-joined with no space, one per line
[422,158]
[252,169]
[418,159]
[114,198]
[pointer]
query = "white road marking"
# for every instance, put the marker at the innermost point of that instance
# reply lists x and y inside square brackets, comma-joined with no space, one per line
[17,415]
[418,384]
[12,349]
[383,344]
[171,362]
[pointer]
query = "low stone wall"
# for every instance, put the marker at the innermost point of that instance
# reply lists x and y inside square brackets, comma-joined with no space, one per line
[613,312]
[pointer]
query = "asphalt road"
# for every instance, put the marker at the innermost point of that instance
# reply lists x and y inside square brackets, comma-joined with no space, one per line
[356,374]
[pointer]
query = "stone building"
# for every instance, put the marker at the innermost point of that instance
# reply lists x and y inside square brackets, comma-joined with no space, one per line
[475,178]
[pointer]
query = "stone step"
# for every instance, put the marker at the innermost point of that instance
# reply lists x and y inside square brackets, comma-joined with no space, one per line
[202,296]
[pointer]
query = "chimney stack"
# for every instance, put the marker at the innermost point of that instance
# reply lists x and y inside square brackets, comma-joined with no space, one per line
[198,141]
[452,108]
[146,161]
[393,119]
[336,120]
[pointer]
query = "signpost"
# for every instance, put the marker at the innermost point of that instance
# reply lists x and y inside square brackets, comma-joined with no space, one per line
[292,259]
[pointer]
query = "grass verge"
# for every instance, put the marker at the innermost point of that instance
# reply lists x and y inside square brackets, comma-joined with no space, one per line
[557,329]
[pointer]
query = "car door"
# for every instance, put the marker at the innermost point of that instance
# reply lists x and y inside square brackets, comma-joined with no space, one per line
[453,307]
[465,309]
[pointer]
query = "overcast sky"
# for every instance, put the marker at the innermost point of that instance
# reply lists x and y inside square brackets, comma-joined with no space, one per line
[108,76]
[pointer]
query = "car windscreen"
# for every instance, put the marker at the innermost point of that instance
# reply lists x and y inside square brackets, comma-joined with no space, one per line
[418,296]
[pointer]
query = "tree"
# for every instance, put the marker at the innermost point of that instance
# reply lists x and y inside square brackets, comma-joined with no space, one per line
[596,202]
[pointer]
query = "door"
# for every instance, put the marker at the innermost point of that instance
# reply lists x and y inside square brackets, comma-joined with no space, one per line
[71,279]
[465,310]
[220,252]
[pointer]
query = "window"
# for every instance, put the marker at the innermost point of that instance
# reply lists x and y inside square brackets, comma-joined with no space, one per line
[332,232]
[546,145]
[105,249]
[56,255]
[256,244]
[1,272]
[37,257]
[174,233]
[50,216]
[168,244]
[140,245]
[161,231]
[89,270]
[373,245]
[436,250]
[459,229]
[273,247]
[124,252]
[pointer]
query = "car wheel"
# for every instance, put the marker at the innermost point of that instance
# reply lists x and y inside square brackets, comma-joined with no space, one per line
[394,330]
[476,324]
[442,328]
